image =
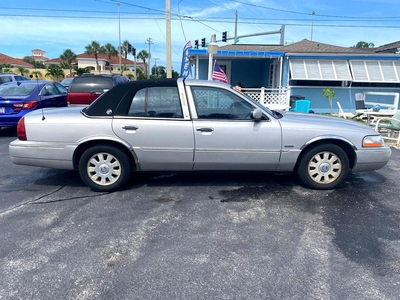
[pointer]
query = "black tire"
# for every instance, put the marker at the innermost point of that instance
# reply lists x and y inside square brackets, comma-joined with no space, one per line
[104,168]
[323,167]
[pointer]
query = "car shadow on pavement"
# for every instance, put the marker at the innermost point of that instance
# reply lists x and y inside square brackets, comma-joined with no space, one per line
[8,131]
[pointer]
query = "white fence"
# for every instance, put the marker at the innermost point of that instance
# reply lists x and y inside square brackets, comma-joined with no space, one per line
[271,98]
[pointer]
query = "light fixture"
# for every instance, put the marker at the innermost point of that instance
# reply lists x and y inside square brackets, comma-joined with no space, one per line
[212,49]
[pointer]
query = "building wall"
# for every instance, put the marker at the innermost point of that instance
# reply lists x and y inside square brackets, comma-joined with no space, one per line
[249,72]
[345,95]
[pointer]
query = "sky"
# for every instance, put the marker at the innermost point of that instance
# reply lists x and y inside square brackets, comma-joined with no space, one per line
[54,26]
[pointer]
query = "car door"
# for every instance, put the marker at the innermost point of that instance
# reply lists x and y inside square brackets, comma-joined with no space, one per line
[50,96]
[161,137]
[227,138]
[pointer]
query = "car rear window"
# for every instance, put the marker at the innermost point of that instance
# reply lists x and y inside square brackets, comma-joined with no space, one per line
[91,84]
[16,90]
[4,79]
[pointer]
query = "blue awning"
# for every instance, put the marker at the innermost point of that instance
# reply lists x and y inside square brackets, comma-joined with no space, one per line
[238,53]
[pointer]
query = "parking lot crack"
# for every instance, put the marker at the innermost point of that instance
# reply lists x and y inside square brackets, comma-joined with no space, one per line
[37,200]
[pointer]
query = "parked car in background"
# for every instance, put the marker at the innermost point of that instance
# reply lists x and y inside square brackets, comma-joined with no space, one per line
[193,125]
[8,77]
[86,88]
[67,82]
[17,98]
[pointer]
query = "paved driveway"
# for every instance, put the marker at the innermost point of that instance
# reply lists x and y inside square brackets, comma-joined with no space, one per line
[197,236]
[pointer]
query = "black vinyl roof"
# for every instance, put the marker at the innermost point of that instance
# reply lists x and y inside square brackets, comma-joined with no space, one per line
[118,99]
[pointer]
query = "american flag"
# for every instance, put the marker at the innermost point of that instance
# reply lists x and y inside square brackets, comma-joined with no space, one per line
[219,74]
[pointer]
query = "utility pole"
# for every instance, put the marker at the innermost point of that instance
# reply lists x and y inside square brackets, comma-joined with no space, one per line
[149,41]
[119,39]
[312,22]
[168,38]
[155,66]
[236,16]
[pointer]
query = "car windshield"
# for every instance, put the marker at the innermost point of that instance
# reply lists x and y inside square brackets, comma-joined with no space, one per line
[66,80]
[16,90]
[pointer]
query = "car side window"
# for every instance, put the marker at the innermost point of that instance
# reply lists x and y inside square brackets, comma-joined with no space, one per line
[156,102]
[49,90]
[216,103]
[60,88]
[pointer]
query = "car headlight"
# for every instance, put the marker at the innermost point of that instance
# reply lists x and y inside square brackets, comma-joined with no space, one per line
[373,141]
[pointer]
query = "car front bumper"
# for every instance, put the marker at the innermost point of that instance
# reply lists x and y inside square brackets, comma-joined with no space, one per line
[372,159]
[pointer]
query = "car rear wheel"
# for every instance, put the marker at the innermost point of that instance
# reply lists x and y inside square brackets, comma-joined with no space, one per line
[323,167]
[104,168]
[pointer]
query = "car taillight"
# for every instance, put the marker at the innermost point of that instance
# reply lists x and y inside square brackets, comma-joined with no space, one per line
[24,105]
[21,133]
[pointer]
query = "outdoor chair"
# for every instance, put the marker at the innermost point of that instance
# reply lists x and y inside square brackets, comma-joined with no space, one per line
[390,126]
[301,106]
[341,112]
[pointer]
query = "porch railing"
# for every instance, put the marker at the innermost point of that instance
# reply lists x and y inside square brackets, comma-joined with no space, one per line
[270,97]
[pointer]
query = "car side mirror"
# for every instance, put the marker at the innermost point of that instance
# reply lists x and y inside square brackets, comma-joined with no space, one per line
[256,114]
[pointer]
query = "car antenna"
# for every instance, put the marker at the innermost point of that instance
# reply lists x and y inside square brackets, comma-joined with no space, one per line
[37,84]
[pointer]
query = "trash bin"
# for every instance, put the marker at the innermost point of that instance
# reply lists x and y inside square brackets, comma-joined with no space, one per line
[293,99]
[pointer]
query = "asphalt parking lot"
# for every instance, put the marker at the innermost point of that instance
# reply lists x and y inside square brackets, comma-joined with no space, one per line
[197,236]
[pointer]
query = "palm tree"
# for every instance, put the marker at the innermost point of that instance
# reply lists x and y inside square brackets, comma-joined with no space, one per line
[124,51]
[143,55]
[5,68]
[68,57]
[55,71]
[96,49]
[80,71]
[22,70]
[36,74]
[110,50]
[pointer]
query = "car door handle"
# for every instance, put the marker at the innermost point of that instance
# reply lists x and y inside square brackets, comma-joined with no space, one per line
[130,127]
[206,129]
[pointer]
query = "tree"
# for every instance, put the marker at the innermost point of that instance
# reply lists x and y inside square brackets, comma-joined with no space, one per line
[329,95]
[55,71]
[124,50]
[143,55]
[175,74]
[5,68]
[36,74]
[80,71]
[68,57]
[110,50]
[362,44]
[22,70]
[158,72]
[95,49]
[35,64]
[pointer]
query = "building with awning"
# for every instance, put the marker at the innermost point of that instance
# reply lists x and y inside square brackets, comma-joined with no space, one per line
[304,69]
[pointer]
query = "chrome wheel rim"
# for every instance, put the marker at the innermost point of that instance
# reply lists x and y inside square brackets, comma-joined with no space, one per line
[104,169]
[324,167]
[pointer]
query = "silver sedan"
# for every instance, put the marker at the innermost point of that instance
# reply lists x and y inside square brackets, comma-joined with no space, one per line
[192,125]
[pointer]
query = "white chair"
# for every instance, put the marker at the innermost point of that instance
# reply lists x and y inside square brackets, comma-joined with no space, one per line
[341,112]
[390,126]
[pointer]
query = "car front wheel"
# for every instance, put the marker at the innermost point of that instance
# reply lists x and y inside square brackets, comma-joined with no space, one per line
[323,167]
[104,168]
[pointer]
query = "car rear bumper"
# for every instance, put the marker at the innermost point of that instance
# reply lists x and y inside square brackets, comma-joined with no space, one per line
[50,155]
[372,159]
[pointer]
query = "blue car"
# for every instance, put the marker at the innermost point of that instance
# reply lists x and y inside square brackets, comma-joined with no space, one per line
[17,98]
